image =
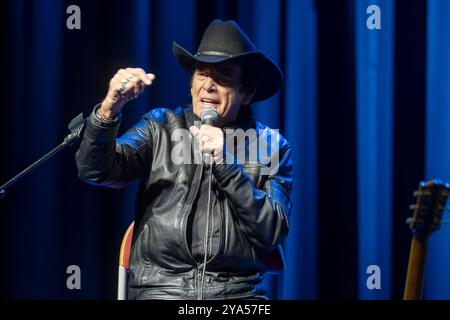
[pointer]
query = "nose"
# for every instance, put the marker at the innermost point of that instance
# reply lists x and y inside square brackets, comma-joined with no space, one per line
[210,85]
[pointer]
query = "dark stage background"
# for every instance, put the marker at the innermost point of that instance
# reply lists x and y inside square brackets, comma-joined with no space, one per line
[366,112]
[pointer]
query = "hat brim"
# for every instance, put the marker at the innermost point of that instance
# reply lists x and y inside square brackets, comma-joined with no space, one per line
[268,75]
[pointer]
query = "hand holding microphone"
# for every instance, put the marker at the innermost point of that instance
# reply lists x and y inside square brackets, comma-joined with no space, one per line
[209,138]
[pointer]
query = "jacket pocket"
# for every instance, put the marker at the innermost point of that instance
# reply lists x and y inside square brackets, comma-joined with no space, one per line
[143,247]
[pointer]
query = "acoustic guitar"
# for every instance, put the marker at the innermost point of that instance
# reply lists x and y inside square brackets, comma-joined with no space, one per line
[430,205]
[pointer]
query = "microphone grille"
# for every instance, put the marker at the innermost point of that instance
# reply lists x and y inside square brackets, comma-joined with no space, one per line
[209,116]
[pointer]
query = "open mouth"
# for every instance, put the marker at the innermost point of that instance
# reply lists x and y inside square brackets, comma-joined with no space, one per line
[206,102]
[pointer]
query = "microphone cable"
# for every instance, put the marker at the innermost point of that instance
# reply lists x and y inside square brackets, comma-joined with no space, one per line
[206,236]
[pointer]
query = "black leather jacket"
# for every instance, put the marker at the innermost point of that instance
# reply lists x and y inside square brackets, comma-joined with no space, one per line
[254,216]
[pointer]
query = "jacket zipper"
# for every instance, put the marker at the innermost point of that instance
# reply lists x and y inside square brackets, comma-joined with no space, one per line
[187,212]
[198,173]
[220,230]
[221,240]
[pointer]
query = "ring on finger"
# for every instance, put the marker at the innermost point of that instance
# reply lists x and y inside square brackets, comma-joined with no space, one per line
[122,88]
[126,80]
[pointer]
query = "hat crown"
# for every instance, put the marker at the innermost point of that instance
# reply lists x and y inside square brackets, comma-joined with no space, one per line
[224,39]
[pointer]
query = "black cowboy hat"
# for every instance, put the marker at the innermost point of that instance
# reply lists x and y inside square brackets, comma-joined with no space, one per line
[225,41]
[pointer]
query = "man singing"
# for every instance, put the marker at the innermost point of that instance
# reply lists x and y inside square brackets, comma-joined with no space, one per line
[202,230]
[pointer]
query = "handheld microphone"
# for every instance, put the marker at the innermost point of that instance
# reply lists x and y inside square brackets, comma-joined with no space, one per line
[209,116]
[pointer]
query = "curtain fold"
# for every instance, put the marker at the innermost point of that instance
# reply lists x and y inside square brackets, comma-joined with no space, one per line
[374,59]
[437,277]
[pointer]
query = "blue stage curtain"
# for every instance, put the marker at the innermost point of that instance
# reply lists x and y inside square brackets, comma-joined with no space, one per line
[437,276]
[374,108]
[35,110]
[299,117]
[351,107]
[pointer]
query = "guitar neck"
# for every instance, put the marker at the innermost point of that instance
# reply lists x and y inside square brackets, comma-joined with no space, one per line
[416,269]
[431,199]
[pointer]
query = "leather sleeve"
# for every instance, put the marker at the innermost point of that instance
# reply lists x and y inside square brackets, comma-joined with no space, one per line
[262,213]
[104,160]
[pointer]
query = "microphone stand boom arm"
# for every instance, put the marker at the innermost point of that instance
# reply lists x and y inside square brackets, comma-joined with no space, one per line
[75,126]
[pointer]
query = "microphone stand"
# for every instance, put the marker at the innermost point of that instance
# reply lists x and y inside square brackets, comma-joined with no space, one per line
[75,126]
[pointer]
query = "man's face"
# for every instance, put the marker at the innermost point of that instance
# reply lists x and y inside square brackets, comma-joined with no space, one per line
[218,86]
